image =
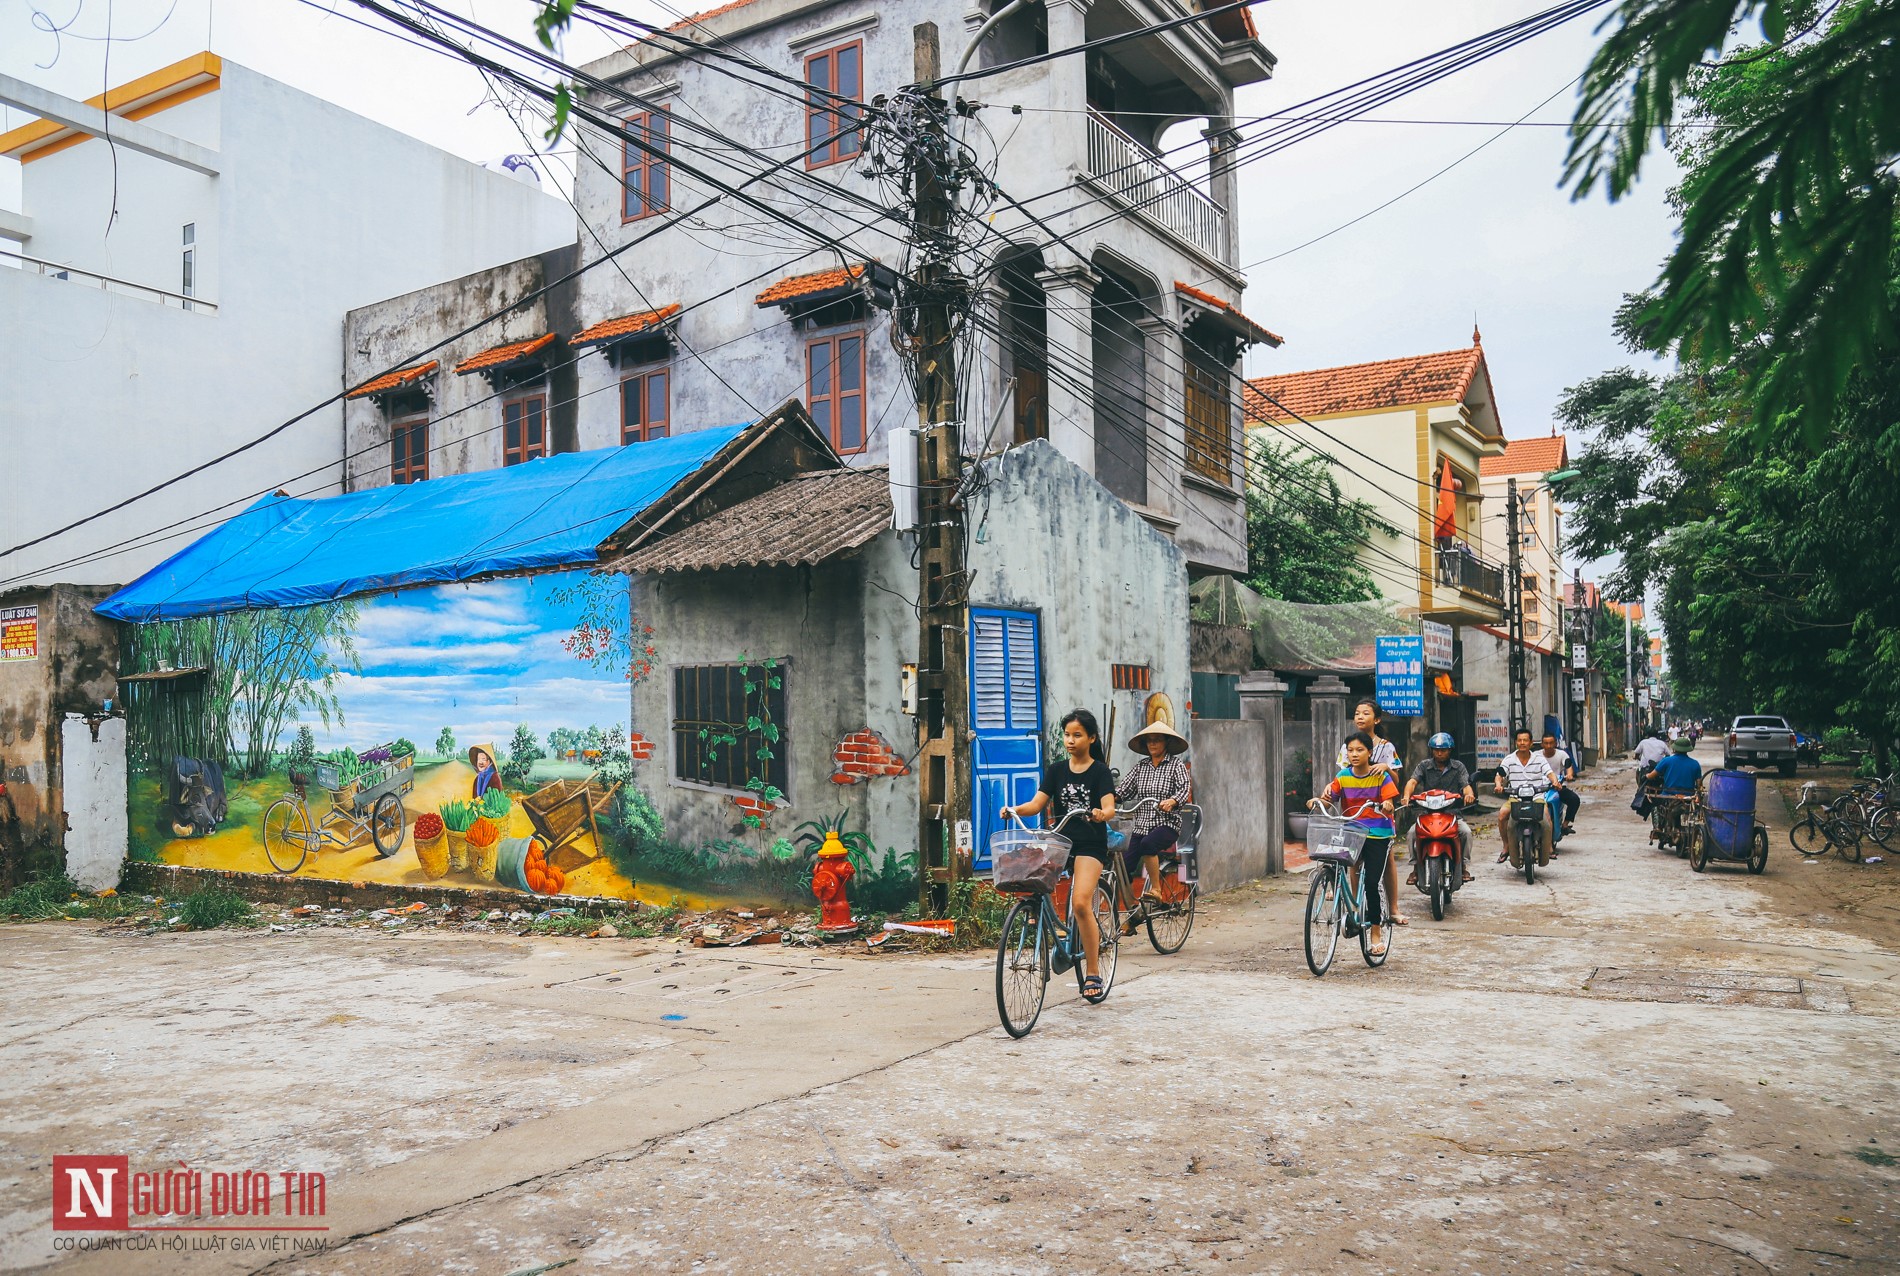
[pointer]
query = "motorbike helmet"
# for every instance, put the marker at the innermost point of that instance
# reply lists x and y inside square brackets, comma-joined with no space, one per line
[1442,740]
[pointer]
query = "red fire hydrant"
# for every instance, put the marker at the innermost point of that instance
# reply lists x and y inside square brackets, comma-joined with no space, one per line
[828,879]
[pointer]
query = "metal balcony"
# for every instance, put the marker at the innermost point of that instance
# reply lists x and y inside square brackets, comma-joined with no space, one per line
[1464,570]
[1136,177]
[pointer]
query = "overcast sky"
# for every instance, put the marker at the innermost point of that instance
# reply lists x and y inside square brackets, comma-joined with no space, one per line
[1492,239]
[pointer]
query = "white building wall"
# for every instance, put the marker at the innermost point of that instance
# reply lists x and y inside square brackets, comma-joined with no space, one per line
[315,211]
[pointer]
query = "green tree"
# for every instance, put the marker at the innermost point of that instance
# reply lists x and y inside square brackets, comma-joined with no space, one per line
[1304,537]
[303,749]
[445,743]
[1788,229]
[562,741]
[524,750]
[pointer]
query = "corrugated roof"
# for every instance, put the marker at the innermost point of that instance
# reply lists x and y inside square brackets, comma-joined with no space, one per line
[1528,456]
[796,286]
[1366,387]
[624,326]
[393,380]
[500,355]
[1247,327]
[805,520]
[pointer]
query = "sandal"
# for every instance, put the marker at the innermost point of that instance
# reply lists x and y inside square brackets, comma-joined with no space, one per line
[1092,990]
[1468,877]
[1400,919]
[1411,879]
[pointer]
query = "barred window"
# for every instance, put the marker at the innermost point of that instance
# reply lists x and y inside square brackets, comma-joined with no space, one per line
[1210,422]
[710,701]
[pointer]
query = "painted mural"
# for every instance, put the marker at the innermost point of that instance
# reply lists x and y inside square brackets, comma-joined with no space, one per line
[470,735]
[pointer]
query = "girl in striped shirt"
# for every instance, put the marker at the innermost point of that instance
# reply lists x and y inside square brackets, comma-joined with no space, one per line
[1366,796]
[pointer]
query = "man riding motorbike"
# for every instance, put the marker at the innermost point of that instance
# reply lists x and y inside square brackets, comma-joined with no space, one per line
[1439,772]
[1524,767]
[1559,760]
[1677,775]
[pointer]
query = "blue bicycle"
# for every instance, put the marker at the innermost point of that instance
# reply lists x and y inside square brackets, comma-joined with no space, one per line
[1336,897]
[1040,938]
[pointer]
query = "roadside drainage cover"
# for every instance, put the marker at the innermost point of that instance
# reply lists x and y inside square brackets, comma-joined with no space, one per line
[1717,988]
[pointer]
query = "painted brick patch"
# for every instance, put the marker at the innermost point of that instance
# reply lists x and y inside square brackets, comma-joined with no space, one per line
[751,805]
[866,755]
[640,746]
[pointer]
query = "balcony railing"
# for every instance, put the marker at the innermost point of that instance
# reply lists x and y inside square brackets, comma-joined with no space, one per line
[1136,177]
[106,283]
[1465,571]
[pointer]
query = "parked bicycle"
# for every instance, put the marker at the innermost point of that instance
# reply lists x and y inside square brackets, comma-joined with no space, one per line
[1336,896]
[1040,938]
[1840,824]
[1169,908]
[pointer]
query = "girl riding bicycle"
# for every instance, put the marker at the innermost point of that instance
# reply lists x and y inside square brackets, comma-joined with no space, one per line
[1369,718]
[1365,794]
[1080,781]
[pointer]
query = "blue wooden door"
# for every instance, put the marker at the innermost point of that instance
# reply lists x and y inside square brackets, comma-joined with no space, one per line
[1006,713]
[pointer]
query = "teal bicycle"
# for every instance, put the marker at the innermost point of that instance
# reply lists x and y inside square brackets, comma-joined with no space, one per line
[1040,938]
[1336,897]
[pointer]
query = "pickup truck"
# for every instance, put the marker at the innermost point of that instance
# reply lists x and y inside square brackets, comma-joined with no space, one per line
[1760,740]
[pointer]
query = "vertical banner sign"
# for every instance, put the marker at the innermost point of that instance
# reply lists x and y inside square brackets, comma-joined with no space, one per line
[1437,637]
[19,633]
[1400,683]
[1490,738]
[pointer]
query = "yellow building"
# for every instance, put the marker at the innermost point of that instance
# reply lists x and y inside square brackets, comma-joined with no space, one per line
[1390,427]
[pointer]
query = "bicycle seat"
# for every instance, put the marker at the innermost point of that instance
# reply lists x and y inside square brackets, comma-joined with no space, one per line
[299,778]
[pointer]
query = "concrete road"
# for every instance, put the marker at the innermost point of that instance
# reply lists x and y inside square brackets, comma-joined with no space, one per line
[1626,1067]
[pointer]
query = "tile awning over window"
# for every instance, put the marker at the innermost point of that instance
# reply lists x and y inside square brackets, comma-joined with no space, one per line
[624,326]
[1228,316]
[502,356]
[400,379]
[817,285]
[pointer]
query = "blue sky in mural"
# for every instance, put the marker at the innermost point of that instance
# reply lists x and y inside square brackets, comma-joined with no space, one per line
[477,659]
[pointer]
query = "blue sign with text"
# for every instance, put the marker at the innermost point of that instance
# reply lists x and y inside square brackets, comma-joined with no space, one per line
[1400,683]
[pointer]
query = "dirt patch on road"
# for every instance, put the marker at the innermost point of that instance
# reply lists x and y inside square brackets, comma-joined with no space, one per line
[1829,892]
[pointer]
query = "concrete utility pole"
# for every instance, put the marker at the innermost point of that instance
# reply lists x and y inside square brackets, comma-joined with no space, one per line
[943,581]
[1629,679]
[1579,638]
[1520,696]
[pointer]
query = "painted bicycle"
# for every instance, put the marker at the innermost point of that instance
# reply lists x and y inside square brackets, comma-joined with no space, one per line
[370,801]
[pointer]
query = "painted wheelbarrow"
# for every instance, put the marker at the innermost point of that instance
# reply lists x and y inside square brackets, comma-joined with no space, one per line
[561,810]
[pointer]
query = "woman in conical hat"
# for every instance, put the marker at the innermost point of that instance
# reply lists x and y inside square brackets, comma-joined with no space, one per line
[1160,775]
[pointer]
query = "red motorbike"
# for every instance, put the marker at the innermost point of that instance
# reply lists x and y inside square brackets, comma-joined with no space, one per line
[1439,868]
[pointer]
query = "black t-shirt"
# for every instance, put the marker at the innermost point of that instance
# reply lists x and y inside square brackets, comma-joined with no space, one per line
[1069,790]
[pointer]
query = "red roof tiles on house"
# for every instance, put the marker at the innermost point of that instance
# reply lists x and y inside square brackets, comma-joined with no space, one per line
[624,326]
[1527,456]
[1365,387]
[393,380]
[1252,330]
[500,355]
[818,281]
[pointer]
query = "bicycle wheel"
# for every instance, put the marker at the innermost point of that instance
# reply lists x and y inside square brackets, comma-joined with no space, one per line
[1168,930]
[1807,837]
[1108,926]
[1758,852]
[386,825]
[287,835]
[1325,918]
[1844,836]
[1882,823]
[1022,968]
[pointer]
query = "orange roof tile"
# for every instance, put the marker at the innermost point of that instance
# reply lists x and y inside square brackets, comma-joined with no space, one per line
[797,286]
[500,355]
[624,326]
[697,18]
[1253,330]
[1527,456]
[393,380]
[1365,387]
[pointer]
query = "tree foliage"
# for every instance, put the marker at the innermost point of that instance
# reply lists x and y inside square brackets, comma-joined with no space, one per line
[1788,213]
[1304,538]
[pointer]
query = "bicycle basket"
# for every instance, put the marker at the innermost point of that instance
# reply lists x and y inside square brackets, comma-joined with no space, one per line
[1334,840]
[1027,860]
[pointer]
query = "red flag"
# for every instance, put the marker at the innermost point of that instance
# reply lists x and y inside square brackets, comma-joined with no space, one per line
[1445,524]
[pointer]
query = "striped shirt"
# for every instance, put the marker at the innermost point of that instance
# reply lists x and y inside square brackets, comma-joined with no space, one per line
[1352,792]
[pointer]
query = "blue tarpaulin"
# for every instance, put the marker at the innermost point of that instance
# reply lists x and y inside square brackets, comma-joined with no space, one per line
[286,552]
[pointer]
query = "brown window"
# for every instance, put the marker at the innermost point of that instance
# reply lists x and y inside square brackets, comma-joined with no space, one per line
[524,429]
[646,178]
[1132,677]
[715,701]
[831,125]
[643,406]
[1210,423]
[409,450]
[834,388]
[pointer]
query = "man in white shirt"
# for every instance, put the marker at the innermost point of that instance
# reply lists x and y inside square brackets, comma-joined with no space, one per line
[1650,749]
[1560,761]
[1525,766]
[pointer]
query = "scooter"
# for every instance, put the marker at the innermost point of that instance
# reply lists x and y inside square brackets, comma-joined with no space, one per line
[1439,875]
[1527,817]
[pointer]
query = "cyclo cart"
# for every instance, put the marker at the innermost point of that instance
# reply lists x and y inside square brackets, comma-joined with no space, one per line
[368,802]
[1727,831]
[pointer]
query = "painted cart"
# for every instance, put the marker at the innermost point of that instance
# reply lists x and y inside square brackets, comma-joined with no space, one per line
[561,810]
[368,802]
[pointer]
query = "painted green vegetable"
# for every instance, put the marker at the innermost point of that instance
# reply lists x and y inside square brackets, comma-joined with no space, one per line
[458,816]
[495,804]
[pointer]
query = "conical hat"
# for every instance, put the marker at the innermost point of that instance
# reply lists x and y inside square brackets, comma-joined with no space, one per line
[1177,743]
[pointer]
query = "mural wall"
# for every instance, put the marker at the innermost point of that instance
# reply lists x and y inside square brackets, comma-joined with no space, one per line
[470,735]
